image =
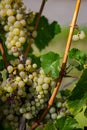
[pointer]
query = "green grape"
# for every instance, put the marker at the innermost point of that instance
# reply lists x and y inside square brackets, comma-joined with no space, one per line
[10,69]
[75,37]
[54,116]
[82,35]
[52,110]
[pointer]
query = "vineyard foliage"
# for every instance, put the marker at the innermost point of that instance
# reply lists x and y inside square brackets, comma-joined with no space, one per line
[27,82]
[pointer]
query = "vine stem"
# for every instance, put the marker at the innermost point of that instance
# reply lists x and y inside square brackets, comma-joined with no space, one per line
[63,67]
[3,54]
[36,25]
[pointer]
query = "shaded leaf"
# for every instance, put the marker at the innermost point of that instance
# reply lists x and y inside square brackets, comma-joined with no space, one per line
[66,123]
[78,96]
[49,126]
[1,64]
[50,63]
[45,32]
[85,112]
[77,58]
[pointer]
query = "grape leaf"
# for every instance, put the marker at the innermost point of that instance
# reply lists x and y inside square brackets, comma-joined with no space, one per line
[66,123]
[77,58]
[45,32]
[49,126]
[50,62]
[85,112]
[78,97]
[39,128]
[1,64]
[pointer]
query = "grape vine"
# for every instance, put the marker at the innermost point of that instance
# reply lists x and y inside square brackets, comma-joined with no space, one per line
[31,96]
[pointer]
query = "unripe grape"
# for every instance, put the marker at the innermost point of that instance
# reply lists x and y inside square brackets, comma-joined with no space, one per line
[15,38]
[18,44]
[22,39]
[47,80]
[52,110]
[22,110]
[17,24]
[19,16]
[30,76]
[14,49]
[9,52]
[3,13]
[47,116]
[34,34]
[18,79]
[9,1]
[28,61]
[22,74]
[75,37]
[21,84]
[28,115]
[20,67]
[34,66]
[10,117]
[3,98]
[10,12]
[12,42]
[9,46]
[23,22]
[16,31]
[5,111]
[59,104]
[20,92]
[22,33]
[39,88]
[82,35]
[45,86]
[11,19]
[10,69]
[41,101]
[40,80]
[26,80]
[9,89]
[6,28]
[37,104]
[54,116]
[33,108]
[8,6]
[16,54]
[15,6]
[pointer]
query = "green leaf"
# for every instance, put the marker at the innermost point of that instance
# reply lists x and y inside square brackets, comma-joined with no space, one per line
[65,93]
[77,58]
[66,123]
[49,126]
[39,128]
[85,112]
[78,97]
[1,64]
[50,63]
[45,32]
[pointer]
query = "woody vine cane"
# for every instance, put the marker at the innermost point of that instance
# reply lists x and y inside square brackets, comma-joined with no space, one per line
[62,72]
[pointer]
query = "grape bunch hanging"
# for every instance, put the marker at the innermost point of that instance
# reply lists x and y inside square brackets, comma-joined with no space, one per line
[24,88]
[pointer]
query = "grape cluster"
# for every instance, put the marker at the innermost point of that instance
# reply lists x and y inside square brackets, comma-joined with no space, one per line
[12,14]
[79,35]
[59,108]
[25,91]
